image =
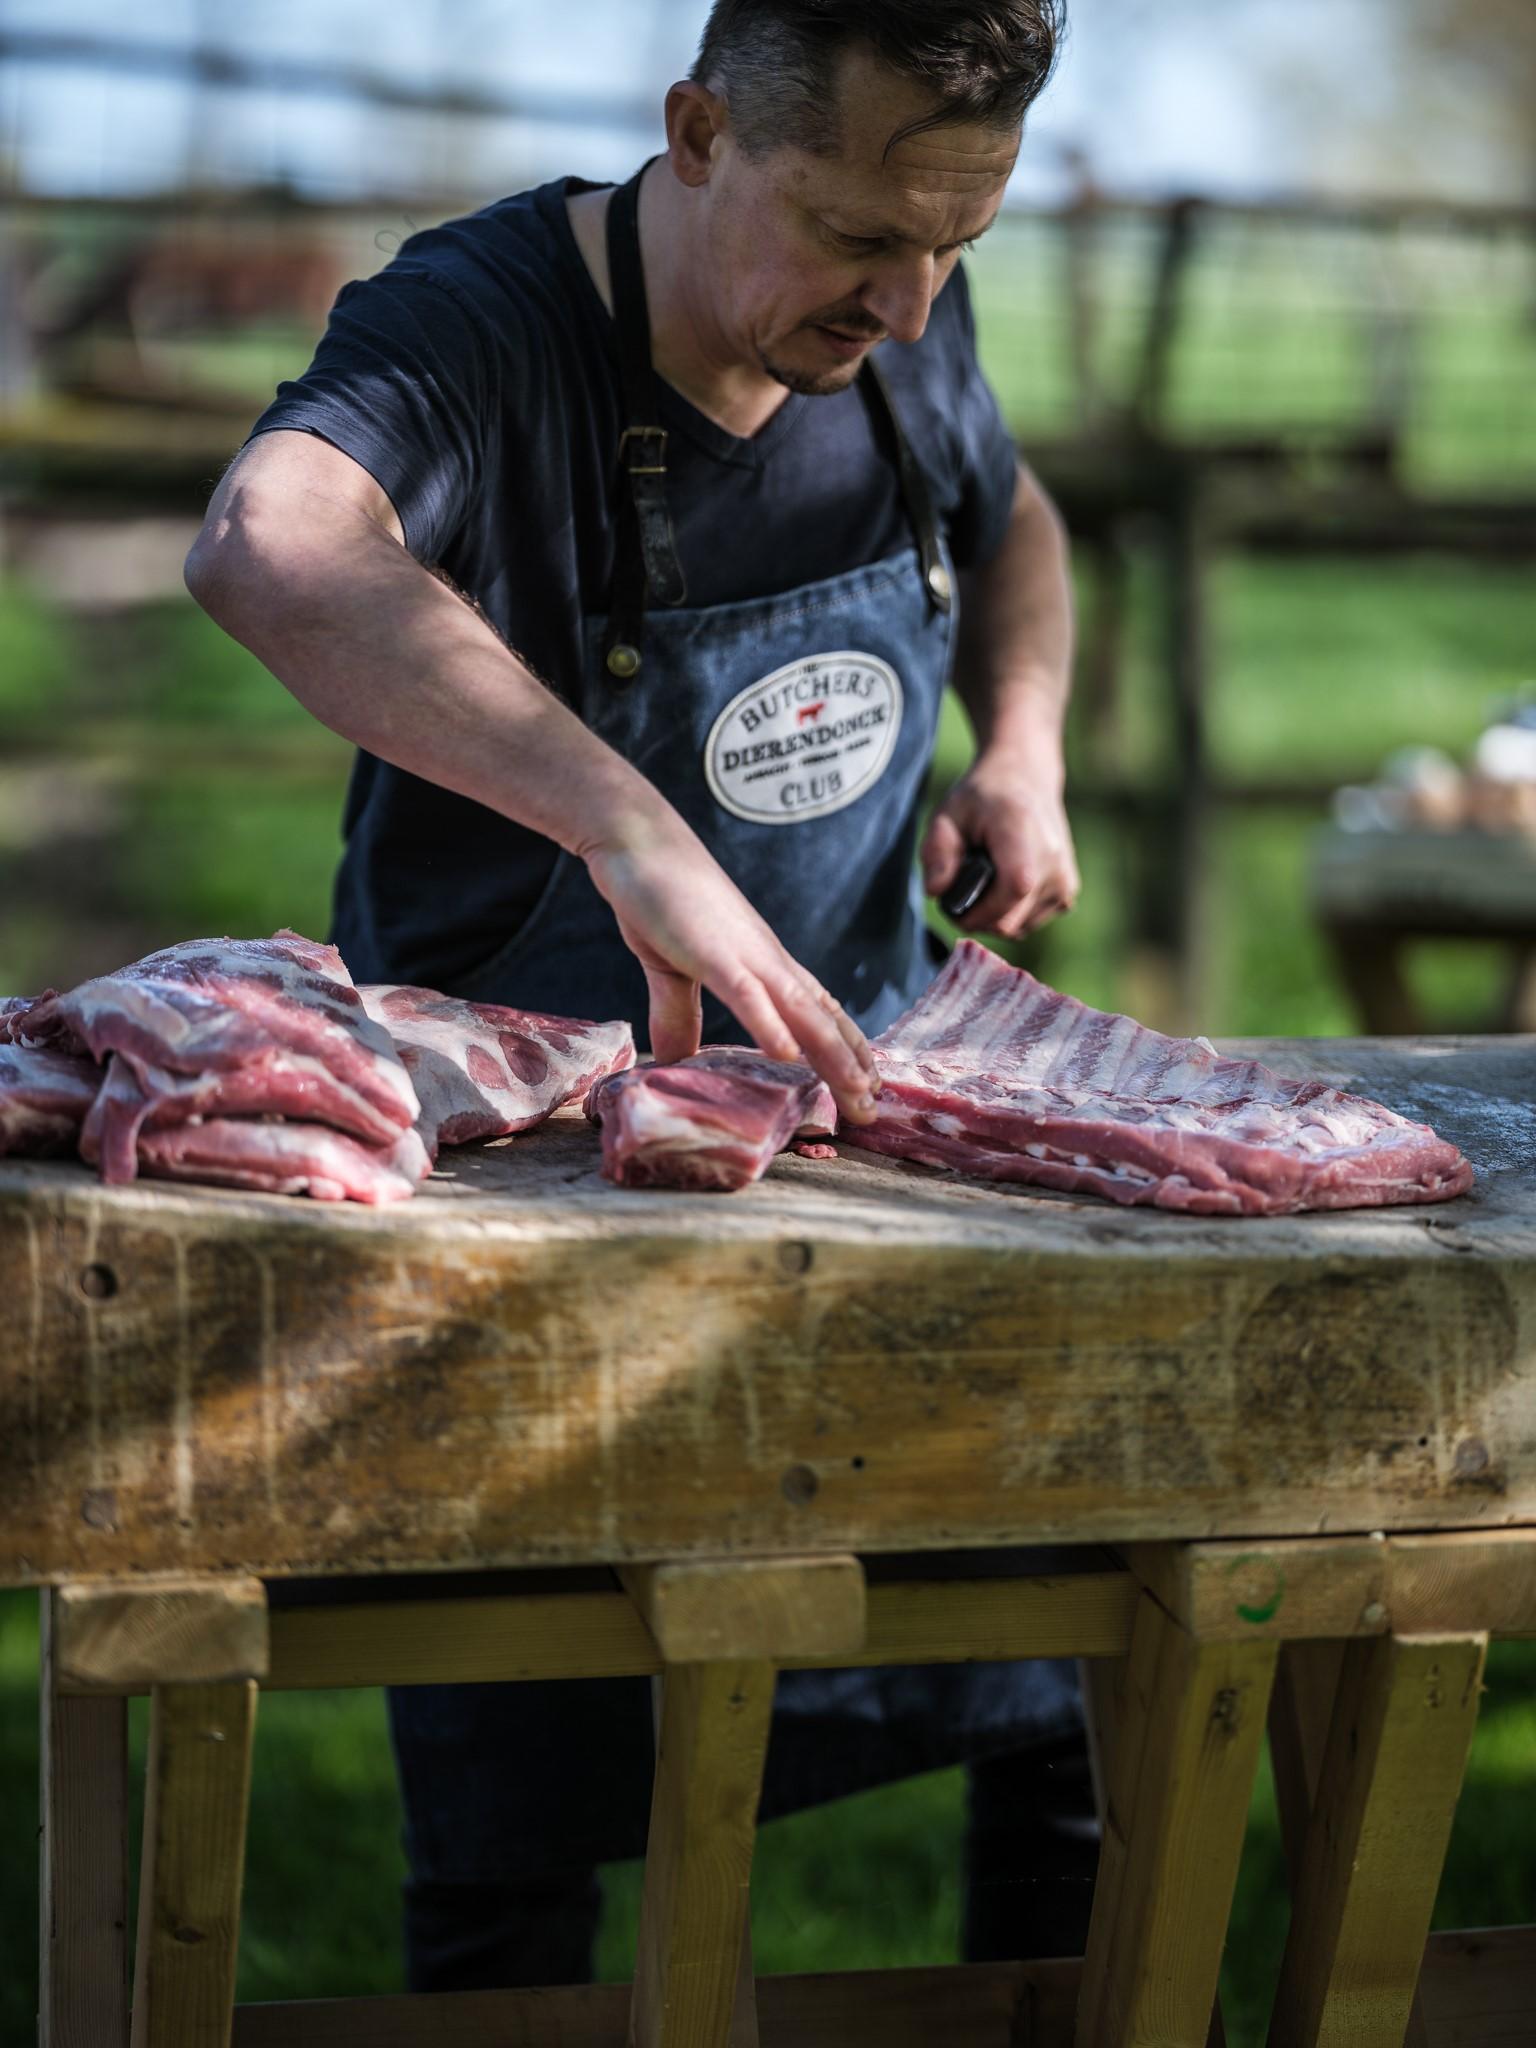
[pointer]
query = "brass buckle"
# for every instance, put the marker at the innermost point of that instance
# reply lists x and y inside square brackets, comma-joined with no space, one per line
[658,468]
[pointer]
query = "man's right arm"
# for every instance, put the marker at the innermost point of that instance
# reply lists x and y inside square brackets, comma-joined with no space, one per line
[302,559]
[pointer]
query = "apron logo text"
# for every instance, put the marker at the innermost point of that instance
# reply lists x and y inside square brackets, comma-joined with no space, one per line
[806,740]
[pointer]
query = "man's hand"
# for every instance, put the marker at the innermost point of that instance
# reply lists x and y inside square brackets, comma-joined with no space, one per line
[689,926]
[1012,809]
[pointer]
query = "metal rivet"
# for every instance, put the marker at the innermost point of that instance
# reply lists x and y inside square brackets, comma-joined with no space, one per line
[939,583]
[623,661]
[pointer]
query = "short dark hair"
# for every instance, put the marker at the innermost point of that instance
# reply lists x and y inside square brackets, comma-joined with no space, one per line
[775,61]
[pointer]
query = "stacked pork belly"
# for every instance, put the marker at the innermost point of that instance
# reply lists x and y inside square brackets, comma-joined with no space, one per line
[256,1063]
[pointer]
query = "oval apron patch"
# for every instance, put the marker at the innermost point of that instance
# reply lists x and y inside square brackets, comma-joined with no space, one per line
[806,740]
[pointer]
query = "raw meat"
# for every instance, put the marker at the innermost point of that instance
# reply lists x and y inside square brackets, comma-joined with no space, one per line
[995,1076]
[275,1157]
[13,1009]
[216,1028]
[482,1071]
[710,1122]
[43,1097]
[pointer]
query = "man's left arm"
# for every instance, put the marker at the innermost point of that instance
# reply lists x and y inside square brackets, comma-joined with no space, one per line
[1014,676]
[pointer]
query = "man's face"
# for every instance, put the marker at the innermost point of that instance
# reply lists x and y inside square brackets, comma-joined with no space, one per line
[813,260]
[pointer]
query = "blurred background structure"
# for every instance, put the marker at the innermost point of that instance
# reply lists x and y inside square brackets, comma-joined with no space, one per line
[1262,311]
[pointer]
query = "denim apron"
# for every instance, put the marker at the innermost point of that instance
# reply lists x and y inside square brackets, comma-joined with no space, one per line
[795,736]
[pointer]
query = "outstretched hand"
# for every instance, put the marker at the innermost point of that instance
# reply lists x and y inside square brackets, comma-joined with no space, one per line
[691,928]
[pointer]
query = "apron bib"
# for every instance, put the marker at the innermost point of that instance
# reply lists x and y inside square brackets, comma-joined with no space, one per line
[794,736]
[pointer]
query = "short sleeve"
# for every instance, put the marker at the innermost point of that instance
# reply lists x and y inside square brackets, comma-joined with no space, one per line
[988,457]
[405,381]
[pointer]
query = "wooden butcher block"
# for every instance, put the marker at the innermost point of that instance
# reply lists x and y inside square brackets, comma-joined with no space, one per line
[524,1365]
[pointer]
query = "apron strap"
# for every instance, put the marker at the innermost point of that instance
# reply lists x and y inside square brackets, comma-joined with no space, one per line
[645,549]
[915,493]
[645,558]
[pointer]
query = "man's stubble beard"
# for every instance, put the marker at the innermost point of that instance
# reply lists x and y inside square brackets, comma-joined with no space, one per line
[806,384]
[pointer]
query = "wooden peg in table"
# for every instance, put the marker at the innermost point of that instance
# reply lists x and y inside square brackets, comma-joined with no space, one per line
[703,1610]
[126,1636]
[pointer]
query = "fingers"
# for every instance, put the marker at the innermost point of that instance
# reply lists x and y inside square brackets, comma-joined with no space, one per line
[835,1047]
[793,1018]
[676,1018]
[943,854]
[1016,904]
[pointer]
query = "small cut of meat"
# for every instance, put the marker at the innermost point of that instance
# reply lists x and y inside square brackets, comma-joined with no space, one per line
[224,1028]
[13,1012]
[713,1122]
[994,1075]
[482,1070]
[276,1157]
[44,1096]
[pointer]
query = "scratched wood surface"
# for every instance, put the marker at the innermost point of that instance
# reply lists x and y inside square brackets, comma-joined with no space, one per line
[524,1365]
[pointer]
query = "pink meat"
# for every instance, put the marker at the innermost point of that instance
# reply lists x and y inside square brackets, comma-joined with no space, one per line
[994,1075]
[43,1097]
[220,1027]
[280,1158]
[483,1071]
[14,1010]
[710,1122]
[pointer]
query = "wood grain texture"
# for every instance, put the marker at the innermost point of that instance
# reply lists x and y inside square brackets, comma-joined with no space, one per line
[1188,1720]
[600,1635]
[183,1631]
[983,2005]
[527,1366]
[83,1904]
[1300,1715]
[1306,1588]
[698,1858]
[706,1610]
[196,1798]
[1391,1776]
[1479,1988]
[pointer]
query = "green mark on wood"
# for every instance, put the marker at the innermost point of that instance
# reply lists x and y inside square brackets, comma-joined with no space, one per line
[1259,1611]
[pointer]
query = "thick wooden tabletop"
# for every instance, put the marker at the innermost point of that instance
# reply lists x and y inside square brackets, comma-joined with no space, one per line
[524,1365]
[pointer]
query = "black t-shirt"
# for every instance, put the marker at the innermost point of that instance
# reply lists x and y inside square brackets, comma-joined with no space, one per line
[476,380]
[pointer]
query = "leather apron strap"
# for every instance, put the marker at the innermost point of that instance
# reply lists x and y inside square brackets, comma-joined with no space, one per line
[645,555]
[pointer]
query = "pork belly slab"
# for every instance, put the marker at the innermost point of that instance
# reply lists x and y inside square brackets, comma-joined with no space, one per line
[713,1122]
[44,1097]
[996,1076]
[220,1028]
[278,1157]
[482,1070]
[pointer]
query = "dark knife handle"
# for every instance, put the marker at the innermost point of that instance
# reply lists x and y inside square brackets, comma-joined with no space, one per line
[969,886]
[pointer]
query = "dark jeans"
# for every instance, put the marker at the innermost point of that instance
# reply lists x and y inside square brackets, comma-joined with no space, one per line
[1031,1850]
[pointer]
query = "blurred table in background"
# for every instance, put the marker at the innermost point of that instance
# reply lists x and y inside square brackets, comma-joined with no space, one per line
[1376,894]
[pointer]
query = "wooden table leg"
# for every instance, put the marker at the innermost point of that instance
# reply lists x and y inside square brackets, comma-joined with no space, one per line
[1188,1719]
[1370,965]
[1390,1778]
[193,1863]
[83,1904]
[698,1864]
[1300,1714]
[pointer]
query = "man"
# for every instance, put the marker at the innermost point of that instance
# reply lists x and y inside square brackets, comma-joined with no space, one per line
[707,455]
